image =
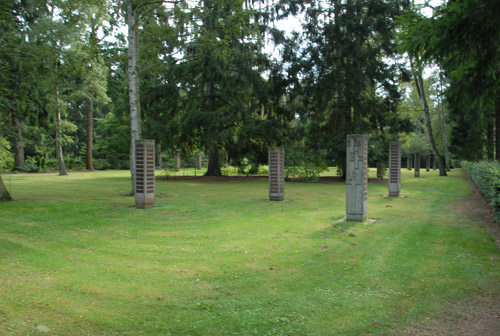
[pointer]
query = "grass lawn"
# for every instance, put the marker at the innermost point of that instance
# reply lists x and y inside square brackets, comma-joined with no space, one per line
[77,258]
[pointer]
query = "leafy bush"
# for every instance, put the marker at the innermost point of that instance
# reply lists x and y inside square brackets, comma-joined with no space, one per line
[486,175]
[6,157]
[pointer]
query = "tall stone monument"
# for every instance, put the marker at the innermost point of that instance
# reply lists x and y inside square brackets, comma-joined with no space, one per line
[417,165]
[409,163]
[276,174]
[394,168]
[145,174]
[177,159]
[357,177]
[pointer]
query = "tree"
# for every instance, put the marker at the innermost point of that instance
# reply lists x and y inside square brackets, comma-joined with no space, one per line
[462,37]
[347,81]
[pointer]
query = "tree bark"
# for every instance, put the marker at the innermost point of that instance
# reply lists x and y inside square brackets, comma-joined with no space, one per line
[421,93]
[497,132]
[133,87]
[4,193]
[59,153]
[90,119]
[18,143]
[490,141]
[213,164]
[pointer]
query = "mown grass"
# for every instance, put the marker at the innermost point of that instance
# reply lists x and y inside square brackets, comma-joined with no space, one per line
[220,259]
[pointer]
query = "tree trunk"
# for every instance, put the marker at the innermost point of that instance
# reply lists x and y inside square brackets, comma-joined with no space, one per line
[90,119]
[18,143]
[421,93]
[59,153]
[159,160]
[490,141]
[213,164]
[497,132]
[4,193]
[133,88]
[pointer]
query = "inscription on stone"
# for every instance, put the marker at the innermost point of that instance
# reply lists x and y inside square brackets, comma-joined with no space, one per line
[394,168]
[276,174]
[357,177]
[145,174]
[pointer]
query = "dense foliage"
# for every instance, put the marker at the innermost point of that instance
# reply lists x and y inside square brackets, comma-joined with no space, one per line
[76,87]
[486,175]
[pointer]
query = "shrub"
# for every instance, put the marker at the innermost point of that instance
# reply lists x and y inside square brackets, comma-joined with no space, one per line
[486,175]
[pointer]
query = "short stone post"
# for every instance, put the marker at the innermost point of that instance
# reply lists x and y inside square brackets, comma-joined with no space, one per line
[177,159]
[428,163]
[276,174]
[394,168]
[145,174]
[159,161]
[417,165]
[199,161]
[357,177]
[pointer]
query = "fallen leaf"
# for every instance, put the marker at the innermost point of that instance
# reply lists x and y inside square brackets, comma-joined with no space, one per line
[352,235]
[231,293]
[324,248]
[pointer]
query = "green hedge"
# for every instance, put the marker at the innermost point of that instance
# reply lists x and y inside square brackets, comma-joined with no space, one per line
[486,175]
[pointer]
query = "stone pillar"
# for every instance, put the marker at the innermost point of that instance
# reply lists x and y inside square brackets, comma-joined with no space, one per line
[177,159]
[381,169]
[145,174]
[357,177]
[409,162]
[428,163]
[276,174]
[417,164]
[394,168]
[434,163]
[199,161]
[159,160]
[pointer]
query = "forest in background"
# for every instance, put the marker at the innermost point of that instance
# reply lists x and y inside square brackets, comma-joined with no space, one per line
[80,80]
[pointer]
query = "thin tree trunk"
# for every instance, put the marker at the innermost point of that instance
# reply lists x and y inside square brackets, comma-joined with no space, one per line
[490,141]
[59,153]
[421,93]
[133,88]
[90,119]
[4,193]
[18,143]
[497,132]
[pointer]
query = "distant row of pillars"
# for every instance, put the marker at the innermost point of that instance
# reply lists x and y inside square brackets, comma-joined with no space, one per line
[177,159]
[415,161]
[356,174]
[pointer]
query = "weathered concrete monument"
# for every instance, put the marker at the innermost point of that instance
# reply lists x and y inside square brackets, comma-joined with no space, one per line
[417,165]
[357,177]
[409,163]
[177,159]
[276,174]
[145,174]
[199,161]
[394,168]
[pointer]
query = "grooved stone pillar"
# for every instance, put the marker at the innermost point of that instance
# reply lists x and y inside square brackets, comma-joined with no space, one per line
[357,177]
[145,174]
[177,159]
[417,164]
[199,161]
[276,174]
[394,168]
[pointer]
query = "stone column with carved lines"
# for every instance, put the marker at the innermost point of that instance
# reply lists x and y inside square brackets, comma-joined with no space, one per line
[357,177]
[394,168]
[145,174]
[276,174]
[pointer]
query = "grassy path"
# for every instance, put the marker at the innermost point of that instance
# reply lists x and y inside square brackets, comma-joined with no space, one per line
[220,259]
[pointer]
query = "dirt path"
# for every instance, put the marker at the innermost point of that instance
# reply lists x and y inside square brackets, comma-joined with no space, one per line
[479,316]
